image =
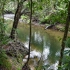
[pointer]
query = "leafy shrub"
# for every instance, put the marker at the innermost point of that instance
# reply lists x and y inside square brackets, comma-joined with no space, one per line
[68,42]
[66,59]
[3,38]
[59,16]
[4,60]
[45,20]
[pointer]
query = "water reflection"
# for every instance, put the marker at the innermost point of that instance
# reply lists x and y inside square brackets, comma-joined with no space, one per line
[43,44]
[45,53]
[53,66]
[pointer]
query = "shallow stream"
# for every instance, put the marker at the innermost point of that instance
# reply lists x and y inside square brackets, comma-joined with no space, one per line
[45,48]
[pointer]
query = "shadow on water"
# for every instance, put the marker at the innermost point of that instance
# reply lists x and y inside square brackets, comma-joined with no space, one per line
[42,43]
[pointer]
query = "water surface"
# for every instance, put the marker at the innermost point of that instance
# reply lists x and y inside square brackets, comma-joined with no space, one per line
[43,45]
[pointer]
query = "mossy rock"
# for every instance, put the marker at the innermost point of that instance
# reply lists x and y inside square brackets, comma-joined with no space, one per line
[16,48]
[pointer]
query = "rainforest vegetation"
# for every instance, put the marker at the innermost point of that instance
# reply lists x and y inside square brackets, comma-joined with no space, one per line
[34,34]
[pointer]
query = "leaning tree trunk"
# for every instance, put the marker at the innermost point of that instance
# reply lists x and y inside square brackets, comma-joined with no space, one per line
[65,36]
[16,18]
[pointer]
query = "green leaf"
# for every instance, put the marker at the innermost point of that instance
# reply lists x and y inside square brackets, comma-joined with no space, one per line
[68,42]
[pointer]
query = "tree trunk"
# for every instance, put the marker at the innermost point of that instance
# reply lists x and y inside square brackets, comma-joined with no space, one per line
[30,29]
[16,19]
[26,64]
[65,36]
[2,29]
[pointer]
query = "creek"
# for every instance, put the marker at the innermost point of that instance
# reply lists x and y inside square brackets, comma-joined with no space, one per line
[45,48]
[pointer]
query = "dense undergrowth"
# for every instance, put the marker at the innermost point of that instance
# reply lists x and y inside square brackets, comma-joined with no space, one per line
[4,61]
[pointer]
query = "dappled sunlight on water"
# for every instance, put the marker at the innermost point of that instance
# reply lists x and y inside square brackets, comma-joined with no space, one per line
[53,66]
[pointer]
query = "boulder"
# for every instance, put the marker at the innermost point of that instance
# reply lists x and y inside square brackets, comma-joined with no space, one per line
[15,48]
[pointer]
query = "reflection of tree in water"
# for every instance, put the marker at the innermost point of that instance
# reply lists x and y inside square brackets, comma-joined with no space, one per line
[37,40]
[54,48]
[23,33]
[46,41]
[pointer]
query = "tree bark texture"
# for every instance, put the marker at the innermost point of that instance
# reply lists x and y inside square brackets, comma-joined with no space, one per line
[16,18]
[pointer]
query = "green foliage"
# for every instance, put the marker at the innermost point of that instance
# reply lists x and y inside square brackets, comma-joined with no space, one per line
[19,69]
[4,60]
[45,20]
[59,16]
[3,38]
[24,17]
[56,10]
[66,58]
[1,26]
[10,6]
[68,42]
